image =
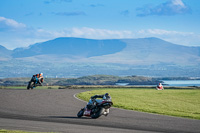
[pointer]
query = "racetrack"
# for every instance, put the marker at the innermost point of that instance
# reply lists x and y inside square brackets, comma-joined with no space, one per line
[55,111]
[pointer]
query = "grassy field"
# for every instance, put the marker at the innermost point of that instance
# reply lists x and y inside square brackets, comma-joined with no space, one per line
[173,102]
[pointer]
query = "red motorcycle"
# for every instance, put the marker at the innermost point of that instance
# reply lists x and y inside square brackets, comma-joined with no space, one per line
[100,107]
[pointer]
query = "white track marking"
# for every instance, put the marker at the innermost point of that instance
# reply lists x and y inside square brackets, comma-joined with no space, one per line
[78,98]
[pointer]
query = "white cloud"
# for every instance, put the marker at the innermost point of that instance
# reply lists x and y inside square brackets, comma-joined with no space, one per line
[6,23]
[178,3]
[163,32]
[14,34]
[86,32]
[182,38]
[171,7]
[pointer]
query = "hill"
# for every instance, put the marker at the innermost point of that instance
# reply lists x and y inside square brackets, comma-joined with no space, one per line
[76,57]
[85,80]
[148,51]
[71,47]
[143,51]
[4,53]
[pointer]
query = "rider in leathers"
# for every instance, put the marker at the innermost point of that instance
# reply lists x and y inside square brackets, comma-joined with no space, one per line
[92,102]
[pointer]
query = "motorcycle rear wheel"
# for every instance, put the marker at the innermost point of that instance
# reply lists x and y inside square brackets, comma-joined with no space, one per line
[97,114]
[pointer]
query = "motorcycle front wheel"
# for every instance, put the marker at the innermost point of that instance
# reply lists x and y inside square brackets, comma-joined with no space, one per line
[30,85]
[80,113]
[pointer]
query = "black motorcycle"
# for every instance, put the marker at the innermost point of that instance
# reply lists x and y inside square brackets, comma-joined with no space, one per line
[33,83]
[101,107]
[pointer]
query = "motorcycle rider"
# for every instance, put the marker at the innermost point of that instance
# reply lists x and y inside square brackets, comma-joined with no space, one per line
[92,102]
[38,78]
[96,107]
[160,87]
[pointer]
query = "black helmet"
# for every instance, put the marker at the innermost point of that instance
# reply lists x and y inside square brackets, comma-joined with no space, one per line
[106,96]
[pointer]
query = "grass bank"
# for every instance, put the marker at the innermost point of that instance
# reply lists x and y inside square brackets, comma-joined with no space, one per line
[173,102]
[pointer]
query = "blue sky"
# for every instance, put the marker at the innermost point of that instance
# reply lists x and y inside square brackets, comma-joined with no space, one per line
[25,22]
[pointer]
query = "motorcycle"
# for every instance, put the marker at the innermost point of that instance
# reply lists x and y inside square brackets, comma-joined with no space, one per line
[33,83]
[100,107]
[159,87]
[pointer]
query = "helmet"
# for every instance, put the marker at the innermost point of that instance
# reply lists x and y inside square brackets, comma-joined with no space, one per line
[106,96]
[41,74]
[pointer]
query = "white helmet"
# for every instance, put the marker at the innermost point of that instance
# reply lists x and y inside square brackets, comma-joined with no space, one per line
[41,74]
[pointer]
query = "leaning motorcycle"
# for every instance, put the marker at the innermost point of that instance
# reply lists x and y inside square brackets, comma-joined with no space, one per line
[32,83]
[101,107]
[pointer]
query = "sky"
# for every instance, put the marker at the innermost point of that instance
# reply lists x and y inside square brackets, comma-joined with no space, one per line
[26,22]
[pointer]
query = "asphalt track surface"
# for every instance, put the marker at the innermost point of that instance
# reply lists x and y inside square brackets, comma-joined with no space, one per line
[55,111]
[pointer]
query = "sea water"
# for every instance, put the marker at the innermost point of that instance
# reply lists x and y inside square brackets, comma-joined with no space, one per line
[182,82]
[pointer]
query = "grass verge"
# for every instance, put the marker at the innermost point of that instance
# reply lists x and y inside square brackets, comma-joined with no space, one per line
[173,102]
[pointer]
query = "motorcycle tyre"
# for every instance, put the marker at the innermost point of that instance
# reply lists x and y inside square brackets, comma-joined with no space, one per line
[97,114]
[80,113]
[30,85]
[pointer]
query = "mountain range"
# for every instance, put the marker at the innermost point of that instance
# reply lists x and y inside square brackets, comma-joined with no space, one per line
[144,51]
[71,46]
[4,53]
[127,52]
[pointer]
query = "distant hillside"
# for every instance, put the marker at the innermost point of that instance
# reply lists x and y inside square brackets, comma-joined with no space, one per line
[86,80]
[76,57]
[71,46]
[4,53]
[109,80]
[148,51]
[144,51]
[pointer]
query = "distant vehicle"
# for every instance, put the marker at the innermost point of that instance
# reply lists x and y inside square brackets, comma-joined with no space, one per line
[35,81]
[159,87]
[101,107]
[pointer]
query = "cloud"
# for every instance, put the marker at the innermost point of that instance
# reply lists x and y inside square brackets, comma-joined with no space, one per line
[56,1]
[171,7]
[77,13]
[177,37]
[96,5]
[10,24]
[17,34]
[92,33]
[160,32]
[29,14]
[14,34]
[125,12]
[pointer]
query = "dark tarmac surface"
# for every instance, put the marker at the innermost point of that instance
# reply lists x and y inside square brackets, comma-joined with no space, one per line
[55,111]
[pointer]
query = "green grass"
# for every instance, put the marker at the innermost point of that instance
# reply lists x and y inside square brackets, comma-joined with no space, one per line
[173,102]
